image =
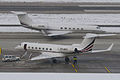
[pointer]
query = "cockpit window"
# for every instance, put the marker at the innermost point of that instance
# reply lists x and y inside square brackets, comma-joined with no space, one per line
[19,44]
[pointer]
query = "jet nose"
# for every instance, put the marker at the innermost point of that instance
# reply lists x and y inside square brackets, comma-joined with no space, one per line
[18,47]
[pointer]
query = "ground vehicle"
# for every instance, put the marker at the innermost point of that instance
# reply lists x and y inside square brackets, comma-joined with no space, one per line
[10,58]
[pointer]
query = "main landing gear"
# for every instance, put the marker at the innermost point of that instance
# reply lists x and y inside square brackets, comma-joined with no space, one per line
[67,60]
[54,60]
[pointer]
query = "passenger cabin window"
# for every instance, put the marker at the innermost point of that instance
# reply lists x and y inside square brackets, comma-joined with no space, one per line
[73,28]
[46,48]
[35,47]
[65,28]
[69,28]
[81,28]
[32,48]
[39,48]
[28,47]
[42,48]
[50,49]
[77,28]
[61,28]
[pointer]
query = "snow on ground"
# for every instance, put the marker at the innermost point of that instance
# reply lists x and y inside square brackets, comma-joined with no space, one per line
[78,19]
[61,20]
[60,1]
[16,29]
[111,29]
[8,19]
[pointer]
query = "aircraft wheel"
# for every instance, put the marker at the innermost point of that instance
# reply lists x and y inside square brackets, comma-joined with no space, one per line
[67,60]
[54,61]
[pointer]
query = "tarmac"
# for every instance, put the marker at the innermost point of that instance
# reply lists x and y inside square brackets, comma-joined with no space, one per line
[107,62]
[72,8]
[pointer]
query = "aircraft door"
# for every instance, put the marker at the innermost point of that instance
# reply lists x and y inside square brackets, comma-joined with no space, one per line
[25,46]
[76,50]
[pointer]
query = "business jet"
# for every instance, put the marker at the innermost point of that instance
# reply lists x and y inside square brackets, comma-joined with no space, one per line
[53,30]
[55,51]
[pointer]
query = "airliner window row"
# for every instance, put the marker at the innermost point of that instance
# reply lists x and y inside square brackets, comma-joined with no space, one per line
[39,48]
[71,28]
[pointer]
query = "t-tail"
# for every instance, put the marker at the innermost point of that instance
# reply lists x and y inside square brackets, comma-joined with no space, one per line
[88,42]
[27,22]
[24,18]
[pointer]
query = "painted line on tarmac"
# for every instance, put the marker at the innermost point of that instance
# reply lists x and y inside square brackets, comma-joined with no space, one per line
[107,70]
[74,68]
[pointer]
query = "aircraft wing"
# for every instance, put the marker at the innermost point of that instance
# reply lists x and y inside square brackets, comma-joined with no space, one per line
[47,55]
[97,51]
[56,33]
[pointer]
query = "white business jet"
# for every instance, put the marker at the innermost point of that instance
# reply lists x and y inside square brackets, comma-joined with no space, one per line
[54,51]
[53,30]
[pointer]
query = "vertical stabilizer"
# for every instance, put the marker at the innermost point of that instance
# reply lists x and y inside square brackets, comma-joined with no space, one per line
[24,18]
[89,39]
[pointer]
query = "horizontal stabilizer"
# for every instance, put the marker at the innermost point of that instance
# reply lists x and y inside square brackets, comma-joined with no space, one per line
[24,18]
[90,35]
[109,49]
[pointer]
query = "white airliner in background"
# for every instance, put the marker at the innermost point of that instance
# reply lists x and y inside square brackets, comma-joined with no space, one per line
[55,51]
[53,30]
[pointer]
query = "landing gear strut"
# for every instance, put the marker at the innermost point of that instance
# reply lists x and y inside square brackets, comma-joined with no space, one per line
[67,60]
[54,60]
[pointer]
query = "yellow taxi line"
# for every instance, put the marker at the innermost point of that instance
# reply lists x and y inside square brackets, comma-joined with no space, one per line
[107,69]
[74,68]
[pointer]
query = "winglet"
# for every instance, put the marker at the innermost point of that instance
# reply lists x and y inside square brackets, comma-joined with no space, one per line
[106,50]
[110,48]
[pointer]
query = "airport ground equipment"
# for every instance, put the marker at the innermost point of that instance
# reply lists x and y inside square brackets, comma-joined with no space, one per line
[10,58]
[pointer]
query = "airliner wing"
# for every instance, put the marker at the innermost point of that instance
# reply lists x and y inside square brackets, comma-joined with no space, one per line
[56,33]
[97,51]
[47,55]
